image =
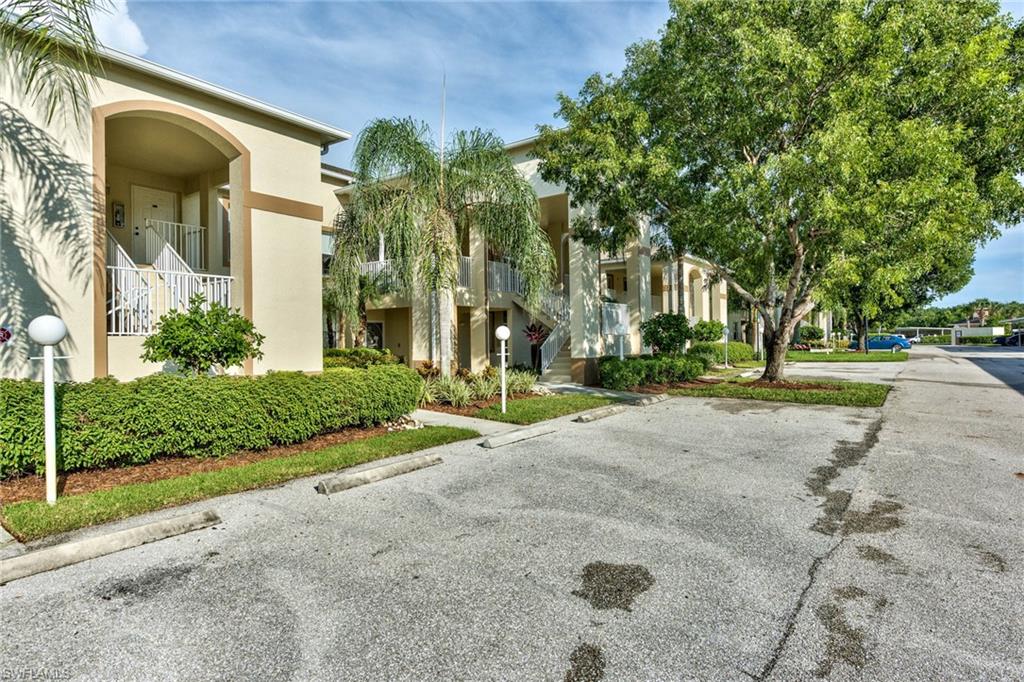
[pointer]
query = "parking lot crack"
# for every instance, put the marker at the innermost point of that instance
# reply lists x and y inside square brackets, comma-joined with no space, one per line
[794,615]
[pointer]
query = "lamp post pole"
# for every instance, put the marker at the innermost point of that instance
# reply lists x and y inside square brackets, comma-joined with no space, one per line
[502,333]
[50,421]
[48,331]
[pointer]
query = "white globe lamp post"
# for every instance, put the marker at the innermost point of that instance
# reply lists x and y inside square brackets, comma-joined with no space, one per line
[48,331]
[502,333]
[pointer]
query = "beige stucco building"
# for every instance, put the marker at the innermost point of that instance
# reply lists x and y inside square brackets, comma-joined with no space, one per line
[590,292]
[171,186]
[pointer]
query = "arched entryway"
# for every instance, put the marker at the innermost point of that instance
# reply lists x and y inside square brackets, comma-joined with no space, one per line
[165,172]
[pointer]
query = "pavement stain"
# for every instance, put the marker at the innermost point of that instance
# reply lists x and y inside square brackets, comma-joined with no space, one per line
[845,641]
[147,584]
[845,454]
[881,557]
[990,559]
[586,664]
[880,517]
[613,586]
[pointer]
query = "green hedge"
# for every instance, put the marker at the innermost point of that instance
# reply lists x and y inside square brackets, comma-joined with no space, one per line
[976,340]
[738,351]
[104,423]
[632,372]
[357,357]
[935,340]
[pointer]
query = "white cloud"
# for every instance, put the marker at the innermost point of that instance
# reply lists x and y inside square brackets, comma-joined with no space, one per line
[115,28]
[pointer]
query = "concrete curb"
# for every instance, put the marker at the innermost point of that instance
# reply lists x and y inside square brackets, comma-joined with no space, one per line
[69,553]
[9,546]
[650,399]
[357,478]
[600,413]
[510,437]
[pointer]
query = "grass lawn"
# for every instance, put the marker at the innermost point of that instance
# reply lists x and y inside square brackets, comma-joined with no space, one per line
[852,393]
[532,410]
[845,356]
[36,519]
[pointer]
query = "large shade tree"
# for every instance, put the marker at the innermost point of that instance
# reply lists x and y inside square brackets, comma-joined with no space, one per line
[773,139]
[423,199]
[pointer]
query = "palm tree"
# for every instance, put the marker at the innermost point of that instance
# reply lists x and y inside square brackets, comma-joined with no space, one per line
[53,52]
[347,292]
[423,199]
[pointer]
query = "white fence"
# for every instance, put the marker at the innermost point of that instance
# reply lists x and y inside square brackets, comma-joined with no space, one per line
[188,240]
[137,298]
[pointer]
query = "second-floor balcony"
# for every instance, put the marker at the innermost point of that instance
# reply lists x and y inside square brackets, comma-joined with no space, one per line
[385,269]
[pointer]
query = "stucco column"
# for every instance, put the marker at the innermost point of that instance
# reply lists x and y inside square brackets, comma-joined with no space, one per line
[478,313]
[239,225]
[638,273]
[720,292]
[421,348]
[585,343]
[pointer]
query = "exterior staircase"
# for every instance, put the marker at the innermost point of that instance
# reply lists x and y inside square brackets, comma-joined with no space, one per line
[560,369]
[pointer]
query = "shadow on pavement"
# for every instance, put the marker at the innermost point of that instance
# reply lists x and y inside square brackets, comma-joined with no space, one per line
[1003,363]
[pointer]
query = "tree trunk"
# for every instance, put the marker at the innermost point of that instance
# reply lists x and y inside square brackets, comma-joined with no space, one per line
[360,335]
[331,338]
[776,344]
[861,322]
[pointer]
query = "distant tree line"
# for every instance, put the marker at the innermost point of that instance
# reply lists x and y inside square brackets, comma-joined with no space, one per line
[946,316]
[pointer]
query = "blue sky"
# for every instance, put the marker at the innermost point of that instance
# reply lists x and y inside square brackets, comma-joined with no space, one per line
[346,63]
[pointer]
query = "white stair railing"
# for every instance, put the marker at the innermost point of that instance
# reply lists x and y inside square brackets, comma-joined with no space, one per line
[189,241]
[128,293]
[149,294]
[465,271]
[553,344]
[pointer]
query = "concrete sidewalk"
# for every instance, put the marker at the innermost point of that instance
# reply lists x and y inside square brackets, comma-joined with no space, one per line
[485,427]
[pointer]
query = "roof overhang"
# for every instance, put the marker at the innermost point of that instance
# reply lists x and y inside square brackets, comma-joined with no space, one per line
[328,134]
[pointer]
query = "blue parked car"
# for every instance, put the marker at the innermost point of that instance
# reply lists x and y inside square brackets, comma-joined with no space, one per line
[883,342]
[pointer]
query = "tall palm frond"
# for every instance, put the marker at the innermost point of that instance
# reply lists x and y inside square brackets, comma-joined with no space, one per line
[52,52]
[424,204]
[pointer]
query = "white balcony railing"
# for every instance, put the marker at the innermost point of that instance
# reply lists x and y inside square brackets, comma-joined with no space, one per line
[503,277]
[386,269]
[189,241]
[139,297]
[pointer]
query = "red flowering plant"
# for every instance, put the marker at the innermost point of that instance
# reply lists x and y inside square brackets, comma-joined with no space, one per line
[535,333]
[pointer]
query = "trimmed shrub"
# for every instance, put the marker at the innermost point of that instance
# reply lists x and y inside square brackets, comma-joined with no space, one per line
[738,351]
[666,333]
[620,375]
[976,340]
[708,331]
[936,340]
[104,423]
[357,357]
[810,332]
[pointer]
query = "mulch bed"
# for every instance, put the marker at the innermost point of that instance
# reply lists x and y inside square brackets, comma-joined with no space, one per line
[78,482]
[471,409]
[701,382]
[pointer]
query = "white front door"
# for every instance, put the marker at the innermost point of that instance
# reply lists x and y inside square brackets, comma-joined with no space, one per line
[148,203]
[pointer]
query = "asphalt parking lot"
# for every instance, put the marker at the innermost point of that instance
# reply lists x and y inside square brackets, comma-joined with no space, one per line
[692,539]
